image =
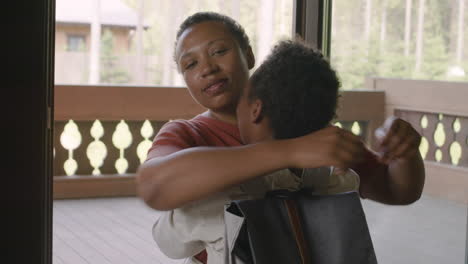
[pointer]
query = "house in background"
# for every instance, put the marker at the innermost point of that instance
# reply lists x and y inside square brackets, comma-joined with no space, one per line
[73,36]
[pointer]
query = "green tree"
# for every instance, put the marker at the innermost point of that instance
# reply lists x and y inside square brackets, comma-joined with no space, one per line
[436,42]
[435,59]
[110,70]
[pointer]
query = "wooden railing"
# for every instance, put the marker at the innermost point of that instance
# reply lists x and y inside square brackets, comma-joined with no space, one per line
[439,112]
[116,125]
[102,133]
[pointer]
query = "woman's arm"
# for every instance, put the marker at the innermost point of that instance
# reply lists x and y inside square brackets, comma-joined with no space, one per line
[167,182]
[396,176]
[174,176]
[398,183]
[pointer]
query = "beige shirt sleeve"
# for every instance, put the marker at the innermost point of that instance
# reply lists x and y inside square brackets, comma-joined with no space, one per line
[186,231]
[171,237]
[326,180]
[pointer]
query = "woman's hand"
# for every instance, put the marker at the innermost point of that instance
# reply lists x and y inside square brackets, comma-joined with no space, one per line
[397,176]
[396,139]
[331,146]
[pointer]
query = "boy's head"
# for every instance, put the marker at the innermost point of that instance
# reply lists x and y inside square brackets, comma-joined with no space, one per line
[294,92]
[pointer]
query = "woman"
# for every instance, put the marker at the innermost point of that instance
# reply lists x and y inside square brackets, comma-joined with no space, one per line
[192,160]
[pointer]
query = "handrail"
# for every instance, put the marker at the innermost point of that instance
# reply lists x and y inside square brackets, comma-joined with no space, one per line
[423,95]
[90,102]
[107,102]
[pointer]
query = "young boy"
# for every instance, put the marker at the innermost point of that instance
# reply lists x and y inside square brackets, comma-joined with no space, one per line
[293,93]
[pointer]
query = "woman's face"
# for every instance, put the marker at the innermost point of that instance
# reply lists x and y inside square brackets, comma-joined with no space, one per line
[213,65]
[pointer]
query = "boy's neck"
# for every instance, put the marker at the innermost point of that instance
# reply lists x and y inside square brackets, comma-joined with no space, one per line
[264,133]
[228,118]
[261,131]
[258,137]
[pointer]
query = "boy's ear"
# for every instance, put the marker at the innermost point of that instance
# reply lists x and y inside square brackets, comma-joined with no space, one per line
[250,58]
[257,111]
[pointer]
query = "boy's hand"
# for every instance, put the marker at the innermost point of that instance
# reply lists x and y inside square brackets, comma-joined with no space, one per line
[331,146]
[396,139]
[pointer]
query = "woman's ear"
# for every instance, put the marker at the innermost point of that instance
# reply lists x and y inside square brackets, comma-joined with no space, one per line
[257,111]
[250,58]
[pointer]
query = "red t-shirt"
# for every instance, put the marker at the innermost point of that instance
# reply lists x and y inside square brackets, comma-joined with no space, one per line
[206,131]
[197,132]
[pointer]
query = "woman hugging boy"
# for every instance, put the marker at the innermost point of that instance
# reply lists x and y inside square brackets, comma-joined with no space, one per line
[283,113]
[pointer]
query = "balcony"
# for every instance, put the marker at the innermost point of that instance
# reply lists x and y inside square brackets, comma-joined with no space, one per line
[102,134]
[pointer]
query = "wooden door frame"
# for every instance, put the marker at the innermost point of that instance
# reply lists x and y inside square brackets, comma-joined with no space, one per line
[28,88]
[312,22]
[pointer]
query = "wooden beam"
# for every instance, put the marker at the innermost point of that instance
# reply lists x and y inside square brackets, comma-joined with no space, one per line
[87,102]
[424,96]
[73,187]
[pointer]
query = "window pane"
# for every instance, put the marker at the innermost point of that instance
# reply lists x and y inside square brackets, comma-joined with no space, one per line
[411,39]
[123,59]
[75,42]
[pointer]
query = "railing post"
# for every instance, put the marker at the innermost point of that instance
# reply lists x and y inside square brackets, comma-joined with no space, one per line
[466,239]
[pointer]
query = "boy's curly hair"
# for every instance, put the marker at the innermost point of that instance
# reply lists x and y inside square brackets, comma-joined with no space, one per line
[235,28]
[298,89]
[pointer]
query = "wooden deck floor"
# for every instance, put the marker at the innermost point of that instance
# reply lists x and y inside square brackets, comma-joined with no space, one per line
[118,231]
[104,231]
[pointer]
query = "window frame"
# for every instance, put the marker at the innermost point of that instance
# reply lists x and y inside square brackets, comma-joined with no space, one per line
[312,22]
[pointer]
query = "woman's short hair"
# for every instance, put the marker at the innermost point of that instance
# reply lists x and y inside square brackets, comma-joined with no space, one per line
[235,28]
